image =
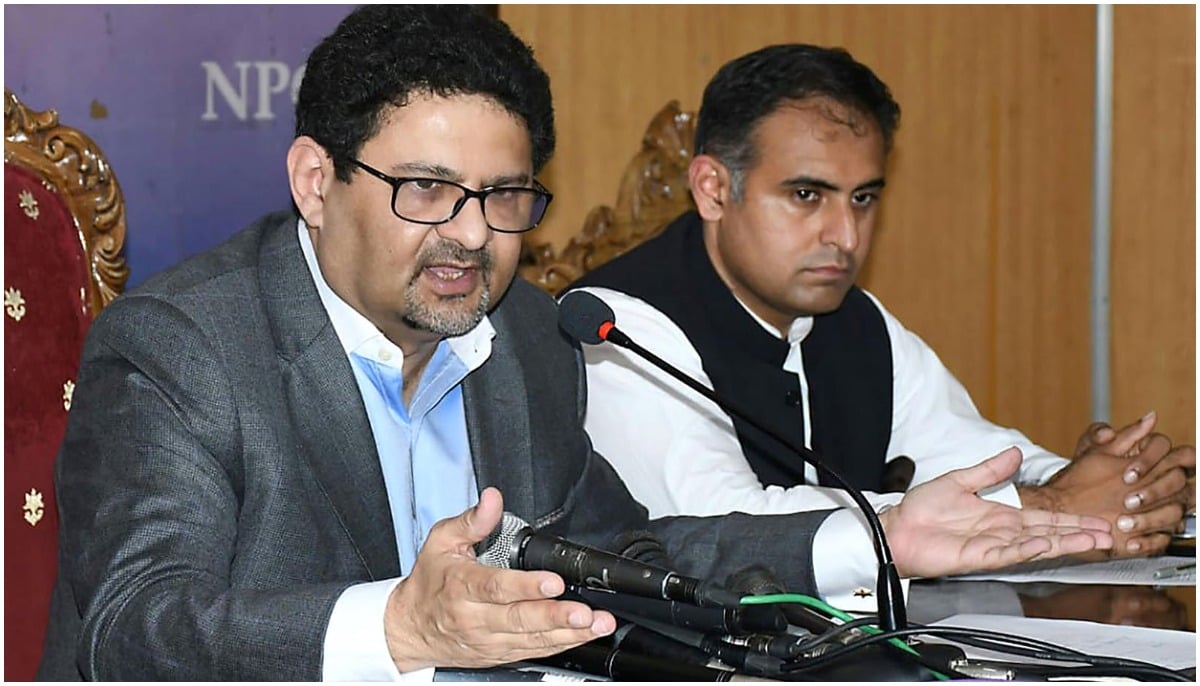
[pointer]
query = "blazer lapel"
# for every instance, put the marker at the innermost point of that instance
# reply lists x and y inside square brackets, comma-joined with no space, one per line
[498,425]
[327,411]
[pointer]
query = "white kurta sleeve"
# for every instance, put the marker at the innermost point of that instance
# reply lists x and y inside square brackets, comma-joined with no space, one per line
[935,423]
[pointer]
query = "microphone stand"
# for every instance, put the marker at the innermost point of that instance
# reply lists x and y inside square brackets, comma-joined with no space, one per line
[890,594]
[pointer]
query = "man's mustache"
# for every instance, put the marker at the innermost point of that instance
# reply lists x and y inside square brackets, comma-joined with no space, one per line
[453,253]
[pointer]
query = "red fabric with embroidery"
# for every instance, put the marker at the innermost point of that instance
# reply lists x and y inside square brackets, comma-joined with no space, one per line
[44,259]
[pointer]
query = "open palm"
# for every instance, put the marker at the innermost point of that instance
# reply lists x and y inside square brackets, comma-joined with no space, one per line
[943,527]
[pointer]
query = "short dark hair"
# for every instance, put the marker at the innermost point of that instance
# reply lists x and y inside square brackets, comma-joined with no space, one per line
[750,87]
[381,55]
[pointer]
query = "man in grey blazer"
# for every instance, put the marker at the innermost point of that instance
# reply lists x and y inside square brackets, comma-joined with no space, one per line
[282,452]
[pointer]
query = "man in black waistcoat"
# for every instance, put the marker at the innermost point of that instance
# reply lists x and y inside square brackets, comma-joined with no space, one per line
[753,294]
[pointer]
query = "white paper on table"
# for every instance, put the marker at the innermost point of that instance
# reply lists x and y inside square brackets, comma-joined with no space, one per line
[1161,647]
[1134,572]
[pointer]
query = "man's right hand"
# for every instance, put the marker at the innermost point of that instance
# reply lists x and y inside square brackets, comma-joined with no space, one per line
[452,611]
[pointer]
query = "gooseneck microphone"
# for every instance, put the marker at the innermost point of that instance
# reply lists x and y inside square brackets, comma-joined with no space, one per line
[588,319]
[516,545]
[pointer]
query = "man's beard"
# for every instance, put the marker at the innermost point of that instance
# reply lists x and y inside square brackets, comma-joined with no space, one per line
[448,316]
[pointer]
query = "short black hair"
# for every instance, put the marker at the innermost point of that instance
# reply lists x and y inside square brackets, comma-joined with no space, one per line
[381,55]
[750,87]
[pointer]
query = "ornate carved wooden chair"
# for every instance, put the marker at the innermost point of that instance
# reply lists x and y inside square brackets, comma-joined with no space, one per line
[653,191]
[64,225]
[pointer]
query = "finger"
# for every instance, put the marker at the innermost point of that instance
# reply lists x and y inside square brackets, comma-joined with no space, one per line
[996,469]
[1151,451]
[1081,542]
[1162,519]
[1148,544]
[481,646]
[1181,456]
[482,519]
[556,641]
[460,534]
[1161,488]
[1128,437]
[1097,433]
[540,616]
[497,586]
[1058,545]
[525,646]
[1046,521]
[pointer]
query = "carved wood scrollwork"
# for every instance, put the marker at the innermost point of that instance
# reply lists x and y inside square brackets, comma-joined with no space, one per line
[653,191]
[71,161]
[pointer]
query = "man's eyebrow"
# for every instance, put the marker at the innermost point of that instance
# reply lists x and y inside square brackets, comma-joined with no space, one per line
[522,180]
[437,171]
[817,182]
[431,170]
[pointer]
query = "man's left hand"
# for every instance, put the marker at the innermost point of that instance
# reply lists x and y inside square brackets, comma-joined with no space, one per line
[943,527]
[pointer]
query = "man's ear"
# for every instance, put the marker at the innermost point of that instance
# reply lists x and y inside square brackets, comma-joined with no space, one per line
[310,173]
[709,183]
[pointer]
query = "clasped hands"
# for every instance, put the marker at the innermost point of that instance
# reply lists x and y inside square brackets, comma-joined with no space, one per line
[1132,477]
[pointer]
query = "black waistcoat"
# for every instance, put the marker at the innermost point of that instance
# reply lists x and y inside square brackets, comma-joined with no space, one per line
[847,359]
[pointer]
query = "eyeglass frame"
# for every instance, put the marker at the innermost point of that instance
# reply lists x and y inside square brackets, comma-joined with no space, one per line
[396,181]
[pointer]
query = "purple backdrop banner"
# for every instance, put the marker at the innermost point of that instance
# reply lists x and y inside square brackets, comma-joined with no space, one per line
[192,105]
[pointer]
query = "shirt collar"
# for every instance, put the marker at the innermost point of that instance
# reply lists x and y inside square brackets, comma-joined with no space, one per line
[797,332]
[358,335]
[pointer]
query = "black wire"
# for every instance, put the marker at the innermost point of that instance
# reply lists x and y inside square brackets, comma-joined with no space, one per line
[833,632]
[993,640]
[1132,672]
[915,655]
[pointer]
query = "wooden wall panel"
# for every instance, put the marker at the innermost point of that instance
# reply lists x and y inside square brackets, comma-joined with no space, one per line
[983,248]
[1154,216]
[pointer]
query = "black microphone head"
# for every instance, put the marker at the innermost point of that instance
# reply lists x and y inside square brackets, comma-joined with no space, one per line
[756,579]
[643,546]
[581,314]
[500,548]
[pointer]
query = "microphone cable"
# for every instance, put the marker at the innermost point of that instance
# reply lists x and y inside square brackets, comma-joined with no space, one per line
[1011,644]
[801,599]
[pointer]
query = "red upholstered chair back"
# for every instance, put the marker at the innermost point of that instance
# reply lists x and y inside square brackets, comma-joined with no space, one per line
[64,225]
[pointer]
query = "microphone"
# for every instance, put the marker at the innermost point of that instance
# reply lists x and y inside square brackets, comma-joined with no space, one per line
[758,580]
[588,319]
[625,665]
[757,655]
[735,621]
[643,546]
[516,545]
[639,639]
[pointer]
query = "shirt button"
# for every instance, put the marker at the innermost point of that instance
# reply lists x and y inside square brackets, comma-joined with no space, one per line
[385,354]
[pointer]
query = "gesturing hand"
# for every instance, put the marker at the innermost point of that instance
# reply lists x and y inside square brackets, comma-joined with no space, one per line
[454,612]
[943,527]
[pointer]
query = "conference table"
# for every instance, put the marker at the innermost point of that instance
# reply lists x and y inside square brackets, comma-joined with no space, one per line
[1170,607]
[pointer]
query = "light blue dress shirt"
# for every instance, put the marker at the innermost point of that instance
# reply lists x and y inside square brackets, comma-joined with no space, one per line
[423,448]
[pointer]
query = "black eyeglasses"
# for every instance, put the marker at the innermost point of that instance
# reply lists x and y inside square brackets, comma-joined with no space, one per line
[508,209]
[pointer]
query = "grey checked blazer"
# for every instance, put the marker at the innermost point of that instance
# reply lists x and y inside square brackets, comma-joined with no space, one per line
[219,484]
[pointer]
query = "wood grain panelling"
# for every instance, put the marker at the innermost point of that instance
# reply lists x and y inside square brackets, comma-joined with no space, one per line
[1154,216]
[983,248]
